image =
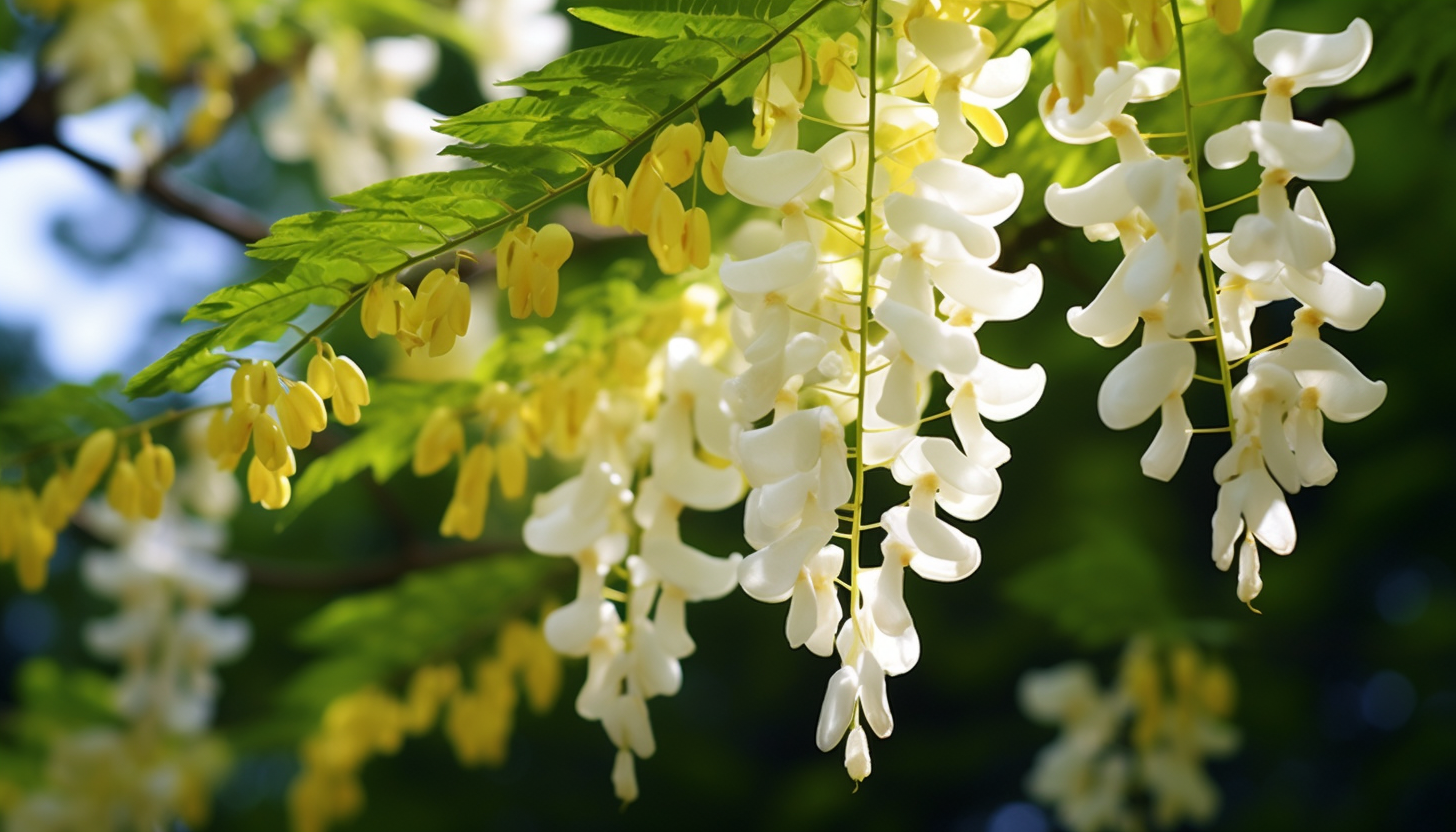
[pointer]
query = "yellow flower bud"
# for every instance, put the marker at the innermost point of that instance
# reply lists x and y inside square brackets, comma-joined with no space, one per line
[511,466]
[352,390]
[270,489]
[35,546]
[676,149]
[123,490]
[263,384]
[440,439]
[1228,14]
[545,284]
[715,153]
[552,245]
[269,445]
[605,196]
[55,502]
[666,236]
[155,464]
[458,315]
[465,516]
[699,238]
[513,256]
[1154,29]
[242,384]
[642,195]
[836,60]
[372,310]
[91,461]
[436,293]
[321,376]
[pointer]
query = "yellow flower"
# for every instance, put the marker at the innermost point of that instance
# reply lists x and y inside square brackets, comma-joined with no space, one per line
[676,149]
[642,194]
[465,515]
[301,414]
[511,467]
[91,462]
[715,154]
[836,61]
[351,389]
[271,489]
[606,196]
[440,439]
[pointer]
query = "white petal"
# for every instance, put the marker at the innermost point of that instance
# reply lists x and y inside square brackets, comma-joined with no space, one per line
[788,446]
[944,233]
[771,180]
[838,706]
[1315,60]
[872,698]
[1163,458]
[999,81]
[1267,514]
[891,614]
[1102,199]
[776,271]
[1140,384]
[769,574]
[970,190]
[700,576]
[992,295]
[1340,299]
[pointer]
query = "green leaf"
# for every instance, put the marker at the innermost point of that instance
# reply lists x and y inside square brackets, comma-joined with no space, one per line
[429,616]
[280,295]
[396,414]
[1100,592]
[671,18]
[181,370]
[61,413]
[579,123]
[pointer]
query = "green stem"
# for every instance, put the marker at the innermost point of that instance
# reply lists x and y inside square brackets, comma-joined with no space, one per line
[1210,283]
[866,247]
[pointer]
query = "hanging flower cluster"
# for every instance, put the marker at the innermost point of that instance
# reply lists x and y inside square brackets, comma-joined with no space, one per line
[161,764]
[1148,734]
[806,294]
[678,237]
[1152,205]
[300,413]
[1280,406]
[619,523]
[477,716]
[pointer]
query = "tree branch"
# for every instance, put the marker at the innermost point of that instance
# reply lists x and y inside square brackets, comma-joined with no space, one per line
[33,124]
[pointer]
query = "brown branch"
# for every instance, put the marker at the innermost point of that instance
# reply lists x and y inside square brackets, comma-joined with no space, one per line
[33,124]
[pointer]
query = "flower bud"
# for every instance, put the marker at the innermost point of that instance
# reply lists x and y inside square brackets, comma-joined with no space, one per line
[440,439]
[642,195]
[552,245]
[715,153]
[605,196]
[91,461]
[676,149]
[123,491]
[321,376]
[511,465]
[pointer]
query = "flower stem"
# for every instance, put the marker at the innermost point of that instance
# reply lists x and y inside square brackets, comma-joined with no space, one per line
[857,513]
[1210,284]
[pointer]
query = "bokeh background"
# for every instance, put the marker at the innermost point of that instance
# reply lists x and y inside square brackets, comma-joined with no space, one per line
[1346,682]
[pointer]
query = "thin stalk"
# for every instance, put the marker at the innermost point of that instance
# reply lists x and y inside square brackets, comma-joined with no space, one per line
[1210,284]
[857,518]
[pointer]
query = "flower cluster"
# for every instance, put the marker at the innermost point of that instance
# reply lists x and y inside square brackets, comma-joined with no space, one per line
[1283,252]
[678,237]
[528,266]
[1153,207]
[373,722]
[1150,733]
[300,413]
[621,526]
[29,523]
[806,294]
[435,315]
